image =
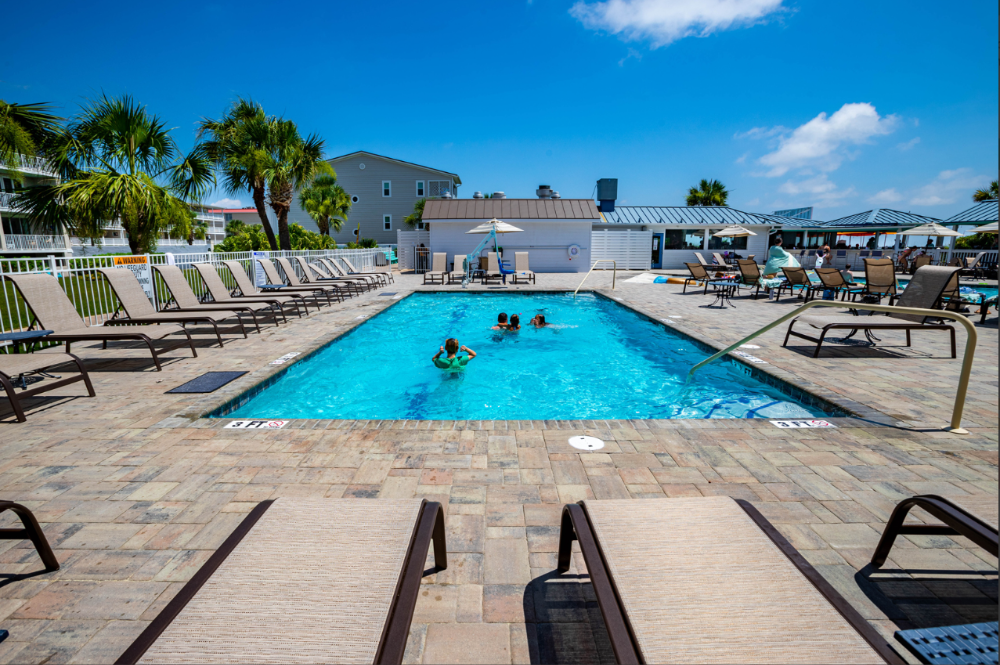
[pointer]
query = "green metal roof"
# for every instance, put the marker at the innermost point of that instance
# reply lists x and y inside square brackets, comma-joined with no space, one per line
[981,213]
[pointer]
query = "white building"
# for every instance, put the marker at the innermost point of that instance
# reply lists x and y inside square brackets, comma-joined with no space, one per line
[17,237]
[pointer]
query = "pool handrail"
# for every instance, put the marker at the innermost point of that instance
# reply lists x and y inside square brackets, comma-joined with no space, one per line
[967,357]
[614,273]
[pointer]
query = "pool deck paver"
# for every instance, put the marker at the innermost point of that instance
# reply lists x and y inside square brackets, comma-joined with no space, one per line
[135,492]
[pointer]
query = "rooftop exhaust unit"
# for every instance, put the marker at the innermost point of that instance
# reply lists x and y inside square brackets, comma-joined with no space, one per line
[477,195]
[607,194]
[499,195]
[544,192]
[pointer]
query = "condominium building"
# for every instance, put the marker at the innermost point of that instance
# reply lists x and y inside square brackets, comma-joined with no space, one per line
[17,237]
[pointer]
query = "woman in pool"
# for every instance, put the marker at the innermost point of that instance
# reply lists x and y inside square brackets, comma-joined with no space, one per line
[538,321]
[452,360]
[778,258]
[515,323]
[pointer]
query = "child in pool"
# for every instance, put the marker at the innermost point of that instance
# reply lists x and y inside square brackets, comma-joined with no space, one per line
[452,360]
[539,321]
[515,323]
[501,322]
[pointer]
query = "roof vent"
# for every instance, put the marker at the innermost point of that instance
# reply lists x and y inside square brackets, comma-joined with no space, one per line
[544,192]
[477,195]
[446,194]
[499,195]
[554,195]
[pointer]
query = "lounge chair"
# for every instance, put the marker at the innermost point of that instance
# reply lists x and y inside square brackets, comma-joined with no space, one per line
[383,265]
[457,274]
[698,274]
[974,266]
[439,269]
[750,276]
[303,580]
[185,299]
[880,280]
[32,531]
[797,278]
[245,288]
[712,266]
[368,281]
[709,579]
[972,516]
[221,295]
[834,279]
[384,277]
[53,310]
[13,366]
[521,269]
[317,273]
[329,289]
[920,262]
[495,269]
[924,292]
[719,259]
[274,278]
[137,309]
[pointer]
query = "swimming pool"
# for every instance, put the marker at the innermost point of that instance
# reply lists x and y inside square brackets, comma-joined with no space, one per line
[599,360]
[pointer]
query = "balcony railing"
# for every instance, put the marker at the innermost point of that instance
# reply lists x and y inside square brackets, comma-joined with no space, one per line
[25,164]
[5,201]
[29,243]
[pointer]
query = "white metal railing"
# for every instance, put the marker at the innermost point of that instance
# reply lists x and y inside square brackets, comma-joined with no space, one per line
[96,302]
[5,201]
[855,257]
[36,165]
[28,243]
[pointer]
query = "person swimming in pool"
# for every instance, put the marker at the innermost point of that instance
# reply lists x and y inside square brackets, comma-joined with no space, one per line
[452,360]
[501,322]
[539,321]
[515,323]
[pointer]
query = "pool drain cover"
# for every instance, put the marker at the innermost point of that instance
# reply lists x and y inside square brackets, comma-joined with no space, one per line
[586,442]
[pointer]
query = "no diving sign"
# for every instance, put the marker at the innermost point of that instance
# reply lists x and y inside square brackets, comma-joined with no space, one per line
[257,424]
[800,424]
[139,265]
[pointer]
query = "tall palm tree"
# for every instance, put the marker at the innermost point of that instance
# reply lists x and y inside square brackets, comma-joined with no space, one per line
[26,129]
[416,218]
[292,162]
[326,202]
[986,194]
[119,162]
[708,193]
[239,145]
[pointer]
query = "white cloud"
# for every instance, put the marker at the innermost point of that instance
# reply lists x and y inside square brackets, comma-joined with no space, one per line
[949,187]
[665,21]
[822,142]
[228,203]
[907,145]
[821,191]
[632,53]
[886,196]
[762,133]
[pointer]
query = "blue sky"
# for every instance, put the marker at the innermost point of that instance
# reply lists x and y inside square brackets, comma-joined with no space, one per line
[842,105]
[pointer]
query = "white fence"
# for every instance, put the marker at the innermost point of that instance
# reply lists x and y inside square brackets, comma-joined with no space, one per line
[630,250]
[96,302]
[406,241]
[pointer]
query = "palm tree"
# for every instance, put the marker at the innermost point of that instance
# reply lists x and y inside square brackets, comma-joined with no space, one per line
[239,145]
[986,194]
[326,202]
[708,193]
[25,129]
[292,162]
[416,218]
[119,162]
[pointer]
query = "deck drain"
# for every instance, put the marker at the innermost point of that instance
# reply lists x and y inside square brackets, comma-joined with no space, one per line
[387,295]
[586,442]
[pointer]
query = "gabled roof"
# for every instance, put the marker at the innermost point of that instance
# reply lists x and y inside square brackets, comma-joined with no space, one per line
[982,212]
[458,181]
[878,218]
[505,209]
[682,215]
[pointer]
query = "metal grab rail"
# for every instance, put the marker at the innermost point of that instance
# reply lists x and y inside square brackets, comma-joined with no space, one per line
[614,273]
[963,379]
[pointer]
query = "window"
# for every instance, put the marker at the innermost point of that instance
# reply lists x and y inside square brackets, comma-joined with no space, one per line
[438,187]
[727,244]
[387,222]
[681,239]
[420,189]
[386,188]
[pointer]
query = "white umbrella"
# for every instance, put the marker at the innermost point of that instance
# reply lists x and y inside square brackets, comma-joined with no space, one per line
[734,231]
[985,228]
[932,230]
[501,227]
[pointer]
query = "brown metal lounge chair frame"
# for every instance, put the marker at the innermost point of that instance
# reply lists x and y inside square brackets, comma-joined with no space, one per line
[61,315]
[957,522]
[430,528]
[248,291]
[834,279]
[576,525]
[314,292]
[698,274]
[31,531]
[749,274]
[314,272]
[797,277]
[381,275]
[328,290]
[185,299]
[338,272]
[12,366]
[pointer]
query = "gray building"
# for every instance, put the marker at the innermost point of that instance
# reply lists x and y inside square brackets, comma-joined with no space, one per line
[383,191]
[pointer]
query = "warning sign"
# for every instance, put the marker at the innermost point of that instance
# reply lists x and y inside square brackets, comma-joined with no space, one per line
[259,277]
[256,424]
[139,265]
[801,424]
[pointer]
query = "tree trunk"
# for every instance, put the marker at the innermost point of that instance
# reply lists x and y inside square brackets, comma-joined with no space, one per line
[258,201]
[281,203]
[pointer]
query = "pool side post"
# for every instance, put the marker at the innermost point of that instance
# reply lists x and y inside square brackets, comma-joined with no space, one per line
[963,379]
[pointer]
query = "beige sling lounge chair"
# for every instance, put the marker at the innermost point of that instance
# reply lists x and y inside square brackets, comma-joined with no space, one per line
[457,274]
[368,281]
[274,278]
[796,277]
[712,266]
[710,580]
[53,310]
[14,365]
[132,300]
[521,269]
[221,296]
[383,277]
[303,580]
[248,291]
[698,274]
[834,279]
[185,299]
[317,273]
[439,269]
[880,280]
[327,289]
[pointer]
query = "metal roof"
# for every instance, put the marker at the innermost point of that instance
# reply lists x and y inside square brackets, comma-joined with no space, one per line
[880,218]
[703,215]
[458,181]
[982,212]
[438,209]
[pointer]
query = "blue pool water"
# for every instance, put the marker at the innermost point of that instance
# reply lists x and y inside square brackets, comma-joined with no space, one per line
[599,361]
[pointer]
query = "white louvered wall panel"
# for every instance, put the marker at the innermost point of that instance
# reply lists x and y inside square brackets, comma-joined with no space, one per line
[405,242]
[631,250]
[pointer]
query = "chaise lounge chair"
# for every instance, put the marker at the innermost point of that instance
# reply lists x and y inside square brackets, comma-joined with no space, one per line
[495,269]
[833,279]
[974,266]
[133,302]
[185,299]
[709,579]
[53,310]
[273,278]
[439,269]
[14,365]
[457,274]
[370,282]
[245,288]
[719,259]
[698,274]
[712,266]
[521,269]
[923,292]
[797,278]
[303,580]
[32,531]
[972,516]
[383,276]
[750,276]
[328,289]
[880,280]
[314,272]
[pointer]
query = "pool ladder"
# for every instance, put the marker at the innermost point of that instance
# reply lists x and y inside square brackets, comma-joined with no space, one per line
[614,273]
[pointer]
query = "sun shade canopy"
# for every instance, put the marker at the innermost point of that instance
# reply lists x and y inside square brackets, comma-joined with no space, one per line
[734,231]
[500,227]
